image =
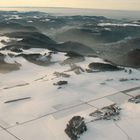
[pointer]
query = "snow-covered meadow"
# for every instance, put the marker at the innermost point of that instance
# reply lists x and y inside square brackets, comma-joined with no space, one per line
[48,107]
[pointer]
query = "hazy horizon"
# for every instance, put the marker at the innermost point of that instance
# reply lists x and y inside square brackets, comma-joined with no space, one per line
[91,4]
[68,8]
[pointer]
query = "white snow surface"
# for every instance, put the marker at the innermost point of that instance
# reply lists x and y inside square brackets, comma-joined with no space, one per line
[14,17]
[3,38]
[119,24]
[7,40]
[45,115]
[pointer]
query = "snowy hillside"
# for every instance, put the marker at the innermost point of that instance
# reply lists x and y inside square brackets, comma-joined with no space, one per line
[55,68]
[49,107]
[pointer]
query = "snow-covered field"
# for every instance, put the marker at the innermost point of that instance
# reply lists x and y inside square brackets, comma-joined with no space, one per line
[48,109]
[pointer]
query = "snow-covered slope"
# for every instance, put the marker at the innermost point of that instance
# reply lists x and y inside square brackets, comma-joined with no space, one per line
[48,107]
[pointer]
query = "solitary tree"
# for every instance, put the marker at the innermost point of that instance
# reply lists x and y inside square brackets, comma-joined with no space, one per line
[76,127]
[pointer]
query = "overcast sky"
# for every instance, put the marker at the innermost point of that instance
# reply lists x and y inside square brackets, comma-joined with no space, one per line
[99,4]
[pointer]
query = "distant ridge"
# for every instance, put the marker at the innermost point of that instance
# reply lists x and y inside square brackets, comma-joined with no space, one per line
[118,14]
